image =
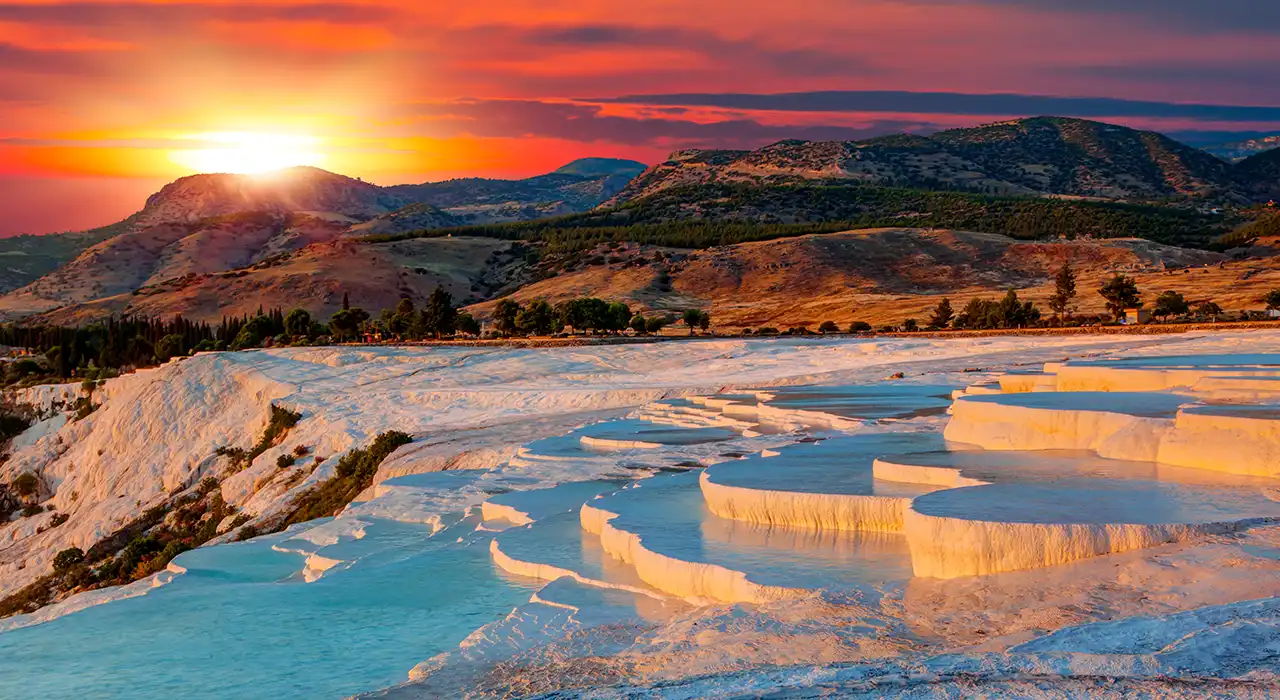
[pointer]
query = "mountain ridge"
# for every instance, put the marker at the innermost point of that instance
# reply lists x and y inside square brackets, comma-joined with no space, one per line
[1034,156]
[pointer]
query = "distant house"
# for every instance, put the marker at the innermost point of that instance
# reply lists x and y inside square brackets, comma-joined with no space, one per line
[1136,317]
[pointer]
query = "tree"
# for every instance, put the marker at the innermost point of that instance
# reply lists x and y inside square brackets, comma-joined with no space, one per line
[617,316]
[254,332]
[403,321]
[859,327]
[504,316]
[910,325]
[1210,309]
[1273,300]
[346,302]
[828,327]
[704,321]
[655,324]
[439,316]
[942,314]
[1012,313]
[639,324]
[466,323]
[692,318]
[538,318]
[1121,293]
[346,323]
[1064,290]
[169,347]
[1170,303]
[297,323]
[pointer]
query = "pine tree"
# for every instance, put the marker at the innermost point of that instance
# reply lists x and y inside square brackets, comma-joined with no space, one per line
[1064,290]
[942,314]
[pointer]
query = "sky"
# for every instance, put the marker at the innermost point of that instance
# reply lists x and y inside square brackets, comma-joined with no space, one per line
[102,102]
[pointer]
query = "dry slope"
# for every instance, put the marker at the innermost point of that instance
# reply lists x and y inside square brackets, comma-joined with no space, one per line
[886,275]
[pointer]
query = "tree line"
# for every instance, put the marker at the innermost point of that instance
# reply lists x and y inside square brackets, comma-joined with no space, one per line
[716,214]
[584,314]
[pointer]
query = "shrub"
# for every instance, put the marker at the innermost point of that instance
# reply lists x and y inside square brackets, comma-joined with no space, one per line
[859,327]
[285,461]
[31,509]
[58,519]
[353,474]
[67,559]
[208,484]
[26,485]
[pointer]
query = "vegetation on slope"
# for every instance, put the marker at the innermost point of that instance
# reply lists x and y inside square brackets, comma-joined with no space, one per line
[353,474]
[703,216]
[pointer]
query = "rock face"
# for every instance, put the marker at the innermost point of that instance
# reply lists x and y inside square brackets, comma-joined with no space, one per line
[1042,155]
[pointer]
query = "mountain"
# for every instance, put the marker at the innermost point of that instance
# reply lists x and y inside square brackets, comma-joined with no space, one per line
[1035,156]
[1262,171]
[195,208]
[602,167]
[294,190]
[1235,151]
[578,186]
[143,256]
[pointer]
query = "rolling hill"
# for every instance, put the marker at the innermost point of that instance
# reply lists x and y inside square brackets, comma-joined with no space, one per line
[1036,156]
[195,209]
[211,245]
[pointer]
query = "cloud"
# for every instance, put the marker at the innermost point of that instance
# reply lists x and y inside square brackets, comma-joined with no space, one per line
[757,53]
[96,14]
[951,103]
[1197,15]
[589,123]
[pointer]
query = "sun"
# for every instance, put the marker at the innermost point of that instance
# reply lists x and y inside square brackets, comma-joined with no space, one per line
[247,152]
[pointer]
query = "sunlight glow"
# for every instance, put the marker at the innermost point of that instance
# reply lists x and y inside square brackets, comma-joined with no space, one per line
[248,152]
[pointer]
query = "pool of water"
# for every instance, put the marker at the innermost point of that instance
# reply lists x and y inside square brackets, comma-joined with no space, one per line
[242,625]
[838,466]
[1080,487]
[1144,404]
[669,515]
[869,402]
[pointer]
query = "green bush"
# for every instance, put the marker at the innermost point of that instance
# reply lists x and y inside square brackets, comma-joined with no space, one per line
[26,485]
[353,474]
[67,558]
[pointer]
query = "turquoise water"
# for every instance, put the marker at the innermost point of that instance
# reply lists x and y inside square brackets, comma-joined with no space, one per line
[238,625]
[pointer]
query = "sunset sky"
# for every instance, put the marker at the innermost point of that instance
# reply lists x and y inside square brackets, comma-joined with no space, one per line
[103,102]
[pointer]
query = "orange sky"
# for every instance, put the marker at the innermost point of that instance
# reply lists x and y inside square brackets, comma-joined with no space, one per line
[95,96]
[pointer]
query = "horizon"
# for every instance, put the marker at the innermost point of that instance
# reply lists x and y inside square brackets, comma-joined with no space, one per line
[105,101]
[1207,139]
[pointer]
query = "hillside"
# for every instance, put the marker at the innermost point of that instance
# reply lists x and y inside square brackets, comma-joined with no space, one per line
[1263,170]
[886,275]
[151,255]
[575,187]
[316,278]
[708,214]
[346,203]
[1042,155]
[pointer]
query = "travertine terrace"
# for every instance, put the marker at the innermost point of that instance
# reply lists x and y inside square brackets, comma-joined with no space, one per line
[674,519]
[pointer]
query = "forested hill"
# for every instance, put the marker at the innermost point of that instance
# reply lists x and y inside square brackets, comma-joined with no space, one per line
[706,215]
